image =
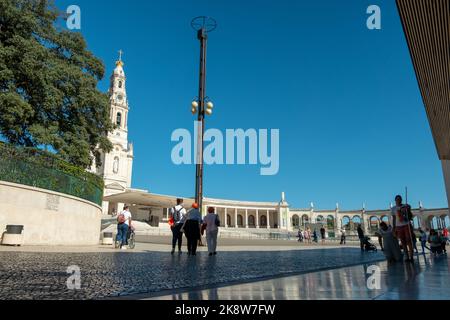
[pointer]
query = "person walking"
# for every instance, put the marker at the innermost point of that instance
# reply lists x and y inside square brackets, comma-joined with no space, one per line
[423,240]
[414,239]
[308,235]
[300,235]
[322,234]
[343,238]
[361,236]
[401,216]
[123,223]
[443,242]
[315,238]
[177,218]
[191,228]
[445,234]
[212,222]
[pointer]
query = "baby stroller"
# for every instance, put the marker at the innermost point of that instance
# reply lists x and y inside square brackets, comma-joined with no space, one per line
[368,245]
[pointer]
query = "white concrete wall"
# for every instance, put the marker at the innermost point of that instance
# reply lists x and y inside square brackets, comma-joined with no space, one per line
[49,218]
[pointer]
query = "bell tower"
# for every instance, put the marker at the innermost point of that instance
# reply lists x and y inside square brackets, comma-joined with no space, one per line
[116,168]
[119,104]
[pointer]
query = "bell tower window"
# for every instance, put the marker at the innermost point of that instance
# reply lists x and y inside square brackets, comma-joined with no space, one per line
[120,83]
[119,119]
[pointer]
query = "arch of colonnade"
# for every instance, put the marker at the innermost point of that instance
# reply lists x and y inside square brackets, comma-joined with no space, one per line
[370,220]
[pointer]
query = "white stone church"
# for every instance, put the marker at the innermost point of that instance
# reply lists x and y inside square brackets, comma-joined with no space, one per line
[116,168]
[239,216]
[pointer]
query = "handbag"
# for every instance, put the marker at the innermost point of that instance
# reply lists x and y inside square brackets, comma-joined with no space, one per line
[203,228]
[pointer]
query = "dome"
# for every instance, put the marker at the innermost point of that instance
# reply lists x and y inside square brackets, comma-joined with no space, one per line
[118,71]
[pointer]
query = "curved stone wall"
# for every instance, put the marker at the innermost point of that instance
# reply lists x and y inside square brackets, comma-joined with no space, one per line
[48,217]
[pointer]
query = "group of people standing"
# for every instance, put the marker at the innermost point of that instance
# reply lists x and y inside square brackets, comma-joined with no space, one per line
[308,237]
[402,229]
[193,225]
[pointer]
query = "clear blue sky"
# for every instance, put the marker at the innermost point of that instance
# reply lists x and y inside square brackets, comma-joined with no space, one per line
[353,128]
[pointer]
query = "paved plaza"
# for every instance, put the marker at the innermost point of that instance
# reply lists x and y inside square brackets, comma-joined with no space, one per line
[149,271]
[426,279]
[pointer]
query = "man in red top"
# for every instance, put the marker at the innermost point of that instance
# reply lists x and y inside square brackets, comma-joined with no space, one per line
[445,236]
[401,226]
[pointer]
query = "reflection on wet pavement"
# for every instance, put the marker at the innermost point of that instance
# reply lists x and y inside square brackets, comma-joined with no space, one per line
[426,279]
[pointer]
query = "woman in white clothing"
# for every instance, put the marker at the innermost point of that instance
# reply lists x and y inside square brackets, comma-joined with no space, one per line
[212,222]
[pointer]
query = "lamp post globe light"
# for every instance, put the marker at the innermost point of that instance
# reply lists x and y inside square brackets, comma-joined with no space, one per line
[202,104]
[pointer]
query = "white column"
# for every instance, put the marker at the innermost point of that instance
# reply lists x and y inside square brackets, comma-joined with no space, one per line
[167,213]
[279,218]
[246,218]
[235,218]
[226,220]
[257,218]
[268,219]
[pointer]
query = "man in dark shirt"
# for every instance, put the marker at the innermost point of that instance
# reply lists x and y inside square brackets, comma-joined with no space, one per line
[361,237]
[322,234]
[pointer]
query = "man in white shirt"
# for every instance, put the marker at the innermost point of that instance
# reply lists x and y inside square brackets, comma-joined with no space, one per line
[178,214]
[123,223]
[212,229]
[401,226]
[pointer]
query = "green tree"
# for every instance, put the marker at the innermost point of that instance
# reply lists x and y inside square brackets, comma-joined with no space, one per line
[48,85]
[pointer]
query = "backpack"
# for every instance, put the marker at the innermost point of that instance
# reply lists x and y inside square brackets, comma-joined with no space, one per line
[217,222]
[406,212]
[121,218]
[176,214]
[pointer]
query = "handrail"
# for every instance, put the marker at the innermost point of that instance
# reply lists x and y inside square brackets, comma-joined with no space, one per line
[36,169]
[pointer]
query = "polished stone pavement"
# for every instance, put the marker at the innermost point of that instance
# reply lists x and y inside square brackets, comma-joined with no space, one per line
[28,274]
[427,279]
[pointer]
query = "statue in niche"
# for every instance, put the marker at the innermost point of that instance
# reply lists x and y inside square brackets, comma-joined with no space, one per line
[116,165]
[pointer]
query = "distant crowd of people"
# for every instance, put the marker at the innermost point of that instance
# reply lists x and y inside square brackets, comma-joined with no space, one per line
[309,237]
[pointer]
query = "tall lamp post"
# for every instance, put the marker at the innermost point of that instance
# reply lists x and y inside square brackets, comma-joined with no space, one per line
[201,105]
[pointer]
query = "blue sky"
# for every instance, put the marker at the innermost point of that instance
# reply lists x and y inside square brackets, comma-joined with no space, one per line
[353,128]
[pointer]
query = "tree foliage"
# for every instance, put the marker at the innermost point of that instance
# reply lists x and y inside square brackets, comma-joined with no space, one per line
[48,85]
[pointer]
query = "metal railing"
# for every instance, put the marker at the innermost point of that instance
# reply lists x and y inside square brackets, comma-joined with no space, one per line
[16,169]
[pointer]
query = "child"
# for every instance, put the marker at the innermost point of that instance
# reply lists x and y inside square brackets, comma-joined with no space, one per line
[435,241]
[391,247]
[423,240]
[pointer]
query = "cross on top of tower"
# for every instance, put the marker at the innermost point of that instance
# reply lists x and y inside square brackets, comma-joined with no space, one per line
[120,62]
